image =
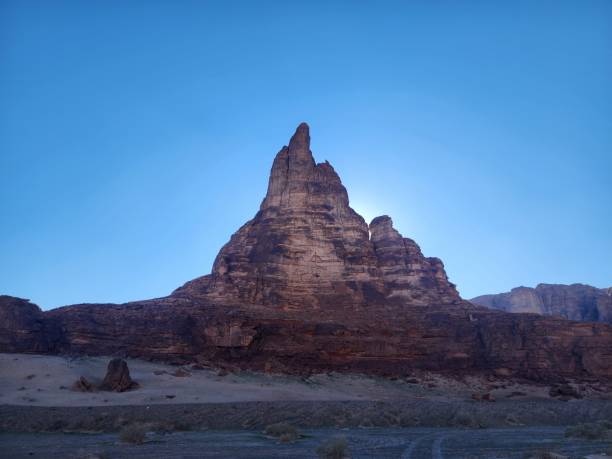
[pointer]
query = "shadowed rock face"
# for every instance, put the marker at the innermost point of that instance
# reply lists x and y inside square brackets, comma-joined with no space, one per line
[23,327]
[307,285]
[307,248]
[574,302]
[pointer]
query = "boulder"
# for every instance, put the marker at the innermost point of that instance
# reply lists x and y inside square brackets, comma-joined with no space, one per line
[117,377]
[82,385]
[181,373]
[564,391]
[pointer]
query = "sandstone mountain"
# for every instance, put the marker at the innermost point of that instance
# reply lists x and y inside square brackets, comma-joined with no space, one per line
[307,248]
[574,302]
[307,285]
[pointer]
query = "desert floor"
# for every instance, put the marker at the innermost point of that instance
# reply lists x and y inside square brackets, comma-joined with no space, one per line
[416,443]
[207,413]
[42,380]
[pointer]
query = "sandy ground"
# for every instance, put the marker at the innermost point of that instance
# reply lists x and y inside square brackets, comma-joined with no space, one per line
[41,380]
[391,443]
[205,413]
[36,396]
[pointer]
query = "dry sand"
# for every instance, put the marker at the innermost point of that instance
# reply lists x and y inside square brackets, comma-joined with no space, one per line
[36,395]
[47,381]
[42,380]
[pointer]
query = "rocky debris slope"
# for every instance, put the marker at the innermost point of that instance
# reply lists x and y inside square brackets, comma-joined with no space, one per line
[308,286]
[574,302]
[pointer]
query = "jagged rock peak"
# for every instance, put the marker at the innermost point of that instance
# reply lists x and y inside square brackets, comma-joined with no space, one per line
[296,180]
[382,227]
[306,247]
[381,220]
[300,140]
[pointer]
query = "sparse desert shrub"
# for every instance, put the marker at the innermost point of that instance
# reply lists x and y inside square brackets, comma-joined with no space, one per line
[95,456]
[134,433]
[463,419]
[82,385]
[287,438]
[181,426]
[181,373]
[541,454]
[564,392]
[169,426]
[285,432]
[591,430]
[333,448]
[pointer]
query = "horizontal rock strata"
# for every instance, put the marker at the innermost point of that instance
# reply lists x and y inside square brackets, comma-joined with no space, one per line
[574,302]
[307,285]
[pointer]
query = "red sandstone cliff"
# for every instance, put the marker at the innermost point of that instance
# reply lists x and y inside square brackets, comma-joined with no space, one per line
[307,285]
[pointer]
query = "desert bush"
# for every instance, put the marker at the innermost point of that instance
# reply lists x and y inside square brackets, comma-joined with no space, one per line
[541,454]
[288,438]
[333,448]
[134,433]
[591,430]
[282,429]
[170,426]
[95,456]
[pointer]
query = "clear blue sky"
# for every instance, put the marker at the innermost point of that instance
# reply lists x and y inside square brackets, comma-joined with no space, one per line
[136,137]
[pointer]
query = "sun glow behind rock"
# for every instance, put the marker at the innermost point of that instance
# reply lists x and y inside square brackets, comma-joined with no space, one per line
[367,210]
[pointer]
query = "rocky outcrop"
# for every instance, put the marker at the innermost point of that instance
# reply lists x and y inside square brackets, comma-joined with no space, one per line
[23,327]
[83,385]
[307,285]
[574,302]
[307,248]
[117,377]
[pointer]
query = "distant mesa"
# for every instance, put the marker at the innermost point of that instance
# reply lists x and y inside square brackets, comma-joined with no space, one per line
[308,286]
[579,302]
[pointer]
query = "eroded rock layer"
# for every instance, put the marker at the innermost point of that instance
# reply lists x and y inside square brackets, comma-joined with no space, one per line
[307,285]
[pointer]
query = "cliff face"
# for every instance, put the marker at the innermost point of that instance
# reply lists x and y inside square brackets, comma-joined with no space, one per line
[574,302]
[307,285]
[23,327]
[307,248]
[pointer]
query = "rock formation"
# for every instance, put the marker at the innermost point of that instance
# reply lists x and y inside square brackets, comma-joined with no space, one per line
[574,302]
[117,377]
[307,286]
[307,248]
[83,385]
[23,327]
